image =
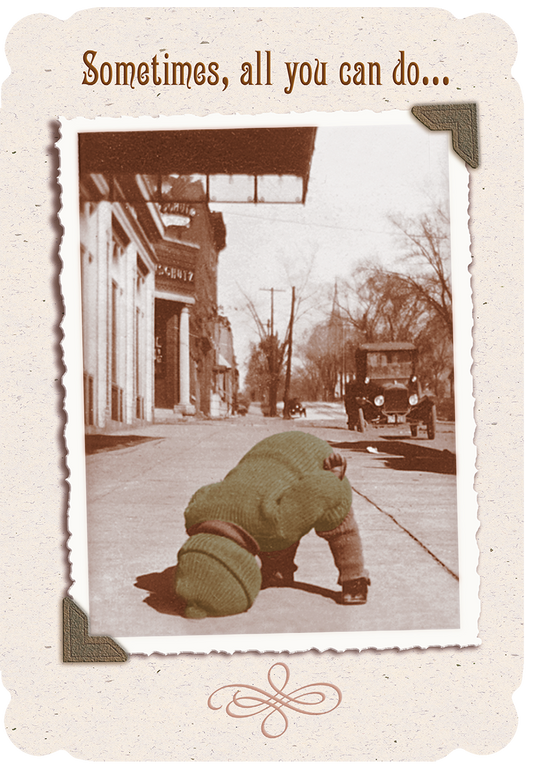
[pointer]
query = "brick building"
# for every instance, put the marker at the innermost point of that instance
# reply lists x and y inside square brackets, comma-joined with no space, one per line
[149,307]
[152,335]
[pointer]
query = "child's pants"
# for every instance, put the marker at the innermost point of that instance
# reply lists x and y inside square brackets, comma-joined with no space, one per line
[345,545]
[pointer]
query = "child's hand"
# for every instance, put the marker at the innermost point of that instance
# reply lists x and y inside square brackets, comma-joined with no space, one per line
[336,464]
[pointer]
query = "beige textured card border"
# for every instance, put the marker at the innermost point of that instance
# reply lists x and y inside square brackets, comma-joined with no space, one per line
[414,705]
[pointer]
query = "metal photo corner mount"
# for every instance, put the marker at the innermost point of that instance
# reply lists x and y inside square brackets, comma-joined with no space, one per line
[79,647]
[460,119]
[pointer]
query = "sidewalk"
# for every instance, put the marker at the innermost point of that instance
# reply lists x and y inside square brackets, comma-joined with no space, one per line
[136,498]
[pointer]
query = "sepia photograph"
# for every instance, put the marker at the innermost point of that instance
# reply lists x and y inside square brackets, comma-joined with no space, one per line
[263,324]
[269,382]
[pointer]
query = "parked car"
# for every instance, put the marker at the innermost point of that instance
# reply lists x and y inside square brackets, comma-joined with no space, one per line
[296,407]
[387,390]
[242,404]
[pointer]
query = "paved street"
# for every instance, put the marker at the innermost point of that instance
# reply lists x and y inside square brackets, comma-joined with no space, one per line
[404,493]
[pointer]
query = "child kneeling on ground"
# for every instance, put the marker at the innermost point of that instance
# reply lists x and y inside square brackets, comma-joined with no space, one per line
[282,488]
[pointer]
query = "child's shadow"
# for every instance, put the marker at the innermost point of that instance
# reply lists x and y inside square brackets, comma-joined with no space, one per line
[309,588]
[162,597]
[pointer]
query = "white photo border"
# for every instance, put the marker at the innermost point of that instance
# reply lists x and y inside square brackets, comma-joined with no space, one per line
[70,278]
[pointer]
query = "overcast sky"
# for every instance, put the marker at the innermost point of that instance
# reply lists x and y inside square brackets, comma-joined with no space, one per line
[359,175]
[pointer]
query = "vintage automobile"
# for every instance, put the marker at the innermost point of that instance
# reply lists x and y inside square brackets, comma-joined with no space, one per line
[387,390]
[295,407]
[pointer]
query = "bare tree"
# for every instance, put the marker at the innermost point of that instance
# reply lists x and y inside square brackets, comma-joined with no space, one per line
[381,306]
[266,364]
[266,357]
[435,355]
[263,378]
[425,242]
[328,358]
[309,295]
[322,360]
[390,304]
[412,303]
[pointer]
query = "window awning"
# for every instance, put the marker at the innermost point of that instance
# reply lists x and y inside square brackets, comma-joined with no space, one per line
[257,165]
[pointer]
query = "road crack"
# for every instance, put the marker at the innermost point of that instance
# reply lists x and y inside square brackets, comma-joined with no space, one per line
[420,543]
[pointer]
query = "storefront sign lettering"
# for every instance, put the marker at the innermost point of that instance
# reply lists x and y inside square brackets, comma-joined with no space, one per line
[175,273]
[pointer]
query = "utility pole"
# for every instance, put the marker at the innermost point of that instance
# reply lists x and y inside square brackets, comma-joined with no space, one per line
[273,383]
[286,396]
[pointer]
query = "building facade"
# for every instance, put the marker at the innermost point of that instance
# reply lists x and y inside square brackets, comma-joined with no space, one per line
[149,305]
[152,335]
[224,399]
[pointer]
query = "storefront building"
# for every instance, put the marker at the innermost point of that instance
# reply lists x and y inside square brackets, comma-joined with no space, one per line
[153,339]
[118,278]
[226,374]
[186,311]
[149,308]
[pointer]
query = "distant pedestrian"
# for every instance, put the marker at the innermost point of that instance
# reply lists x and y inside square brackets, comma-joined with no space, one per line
[282,488]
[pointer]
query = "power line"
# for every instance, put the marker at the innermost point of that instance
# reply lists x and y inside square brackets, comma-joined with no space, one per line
[308,224]
[333,227]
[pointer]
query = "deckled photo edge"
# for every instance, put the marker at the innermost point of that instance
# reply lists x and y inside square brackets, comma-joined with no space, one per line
[74,432]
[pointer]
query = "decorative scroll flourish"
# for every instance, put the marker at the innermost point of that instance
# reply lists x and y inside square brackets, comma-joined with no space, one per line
[303,700]
[460,119]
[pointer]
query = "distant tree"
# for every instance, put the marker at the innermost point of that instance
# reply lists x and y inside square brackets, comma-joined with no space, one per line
[425,242]
[267,372]
[263,379]
[322,360]
[381,306]
[435,353]
[305,383]
[412,303]
[327,357]
[257,368]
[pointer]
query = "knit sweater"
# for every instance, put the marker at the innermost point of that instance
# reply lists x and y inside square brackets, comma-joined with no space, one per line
[278,492]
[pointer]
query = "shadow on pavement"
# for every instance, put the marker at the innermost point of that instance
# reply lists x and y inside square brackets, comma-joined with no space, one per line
[405,456]
[163,599]
[312,589]
[162,595]
[98,442]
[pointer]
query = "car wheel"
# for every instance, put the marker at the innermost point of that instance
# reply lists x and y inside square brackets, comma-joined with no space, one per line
[414,430]
[360,421]
[432,423]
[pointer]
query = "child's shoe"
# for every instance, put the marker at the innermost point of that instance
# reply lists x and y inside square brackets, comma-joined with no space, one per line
[355,592]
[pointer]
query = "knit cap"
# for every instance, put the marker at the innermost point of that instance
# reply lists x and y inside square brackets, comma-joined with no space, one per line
[216,577]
